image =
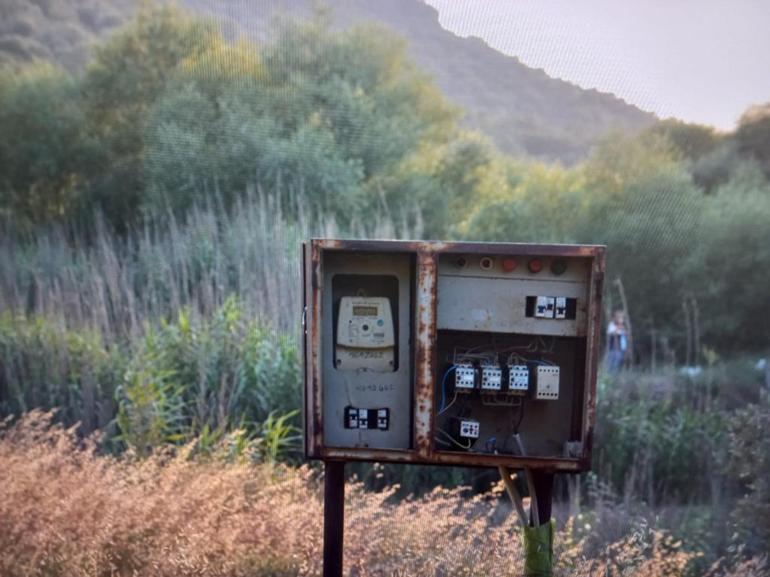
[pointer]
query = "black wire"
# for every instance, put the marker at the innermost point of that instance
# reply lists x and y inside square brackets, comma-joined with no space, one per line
[521,418]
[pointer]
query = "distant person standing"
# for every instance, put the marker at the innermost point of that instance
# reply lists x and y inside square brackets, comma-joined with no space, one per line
[617,341]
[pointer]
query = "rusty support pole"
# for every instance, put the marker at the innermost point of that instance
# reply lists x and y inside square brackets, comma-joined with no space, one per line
[543,481]
[334,517]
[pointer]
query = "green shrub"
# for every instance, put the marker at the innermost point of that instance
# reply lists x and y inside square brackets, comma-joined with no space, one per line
[212,373]
[750,459]
[180,380]
[43,364]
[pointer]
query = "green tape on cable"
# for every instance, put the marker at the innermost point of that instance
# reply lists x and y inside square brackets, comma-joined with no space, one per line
[538,550]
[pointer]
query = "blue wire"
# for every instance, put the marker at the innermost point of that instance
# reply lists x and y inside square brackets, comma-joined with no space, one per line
[443,386]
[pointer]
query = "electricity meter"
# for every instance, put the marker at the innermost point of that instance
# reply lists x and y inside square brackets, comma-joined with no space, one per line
[365,337]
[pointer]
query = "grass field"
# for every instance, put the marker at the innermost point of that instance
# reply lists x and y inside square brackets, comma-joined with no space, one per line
[66,511]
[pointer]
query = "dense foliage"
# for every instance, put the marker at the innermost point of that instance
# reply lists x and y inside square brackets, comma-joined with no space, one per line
[174,383]
[343,123]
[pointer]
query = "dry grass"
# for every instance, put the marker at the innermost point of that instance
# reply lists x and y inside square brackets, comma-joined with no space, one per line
[64,510]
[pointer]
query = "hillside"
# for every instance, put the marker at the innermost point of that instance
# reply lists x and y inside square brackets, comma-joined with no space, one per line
[522,110]
[59,31]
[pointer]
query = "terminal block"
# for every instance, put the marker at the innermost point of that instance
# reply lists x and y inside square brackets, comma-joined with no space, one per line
[491,378]
[465,377]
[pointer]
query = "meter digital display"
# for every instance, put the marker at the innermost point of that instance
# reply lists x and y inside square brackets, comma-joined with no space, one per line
[360,311]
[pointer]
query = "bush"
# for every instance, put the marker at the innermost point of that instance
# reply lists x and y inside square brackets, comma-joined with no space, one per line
[217,374]
[45,365]
[750,458]
[212,374]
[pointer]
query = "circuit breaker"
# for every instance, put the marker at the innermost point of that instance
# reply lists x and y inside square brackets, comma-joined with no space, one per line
[451,353]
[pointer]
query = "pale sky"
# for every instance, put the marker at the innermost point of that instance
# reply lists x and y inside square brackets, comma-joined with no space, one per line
[702,61]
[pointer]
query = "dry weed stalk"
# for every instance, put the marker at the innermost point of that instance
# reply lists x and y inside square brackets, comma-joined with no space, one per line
[66,510]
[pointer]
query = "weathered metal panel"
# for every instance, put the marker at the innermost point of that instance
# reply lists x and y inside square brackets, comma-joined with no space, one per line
[314,328]
[361,388]
[454,459]
[478,299]
[307,379]
[593,342]
[484,305]
[426,256]
[424,353]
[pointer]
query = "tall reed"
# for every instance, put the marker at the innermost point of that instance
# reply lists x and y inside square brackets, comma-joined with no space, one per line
[197,315]
[118,285]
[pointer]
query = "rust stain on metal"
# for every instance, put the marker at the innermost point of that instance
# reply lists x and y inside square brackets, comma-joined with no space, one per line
[315,336]
[435,247]
[426,316]
[453,459]
[592,356]
[307,344]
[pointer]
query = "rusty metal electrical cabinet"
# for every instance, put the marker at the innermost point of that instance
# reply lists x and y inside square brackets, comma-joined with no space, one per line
[475,354]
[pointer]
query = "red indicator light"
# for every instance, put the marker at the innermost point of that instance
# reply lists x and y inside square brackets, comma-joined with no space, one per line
[535,265]
[509,264]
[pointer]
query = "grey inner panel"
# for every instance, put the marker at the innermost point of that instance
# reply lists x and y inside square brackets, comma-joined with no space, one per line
[473,299]
[364,389]
[546,424]
[577,268]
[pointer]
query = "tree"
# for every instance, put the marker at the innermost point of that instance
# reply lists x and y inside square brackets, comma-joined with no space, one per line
[205,128]
[728,264]
[124,79]
[619,160]
[538,203]
[44,146]
[753,136]
[692,141]
[324,118]
[650,231]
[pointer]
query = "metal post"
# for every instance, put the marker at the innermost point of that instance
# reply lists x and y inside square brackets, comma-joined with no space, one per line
[334,517]
[538,536]
[544,489]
